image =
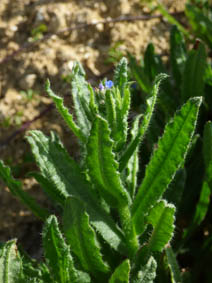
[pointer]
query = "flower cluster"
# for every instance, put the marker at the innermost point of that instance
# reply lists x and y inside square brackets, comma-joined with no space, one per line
[106,85]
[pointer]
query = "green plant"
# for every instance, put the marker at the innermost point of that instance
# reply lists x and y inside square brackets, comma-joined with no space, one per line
[37,32]
[189,76]
[29,94]
[113,227]
[6,122]
[199,15]
[115,53]
[15,120]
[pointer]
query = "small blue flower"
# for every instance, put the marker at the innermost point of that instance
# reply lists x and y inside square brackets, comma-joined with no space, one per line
[134,85]
[101,87]
[108,84]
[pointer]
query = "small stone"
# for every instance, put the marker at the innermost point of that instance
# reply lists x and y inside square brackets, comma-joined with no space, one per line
[56,23]
[40,16]
[28,81]
[14,28]
[103,7]
[64,54]
[100,27]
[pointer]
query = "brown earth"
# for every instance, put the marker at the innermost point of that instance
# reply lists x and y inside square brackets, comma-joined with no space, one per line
[22,78]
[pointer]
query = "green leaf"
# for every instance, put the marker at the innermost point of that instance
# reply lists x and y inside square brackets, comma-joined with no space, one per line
[121,273]
[193,76]
[173,265]
[166,160]
[42,149]
[203,204]
[10,263]
[177,54]
[175,190]
[68,118]
[207,146]
[102,166]
[200,23]
[117,109]
[206,189]
[161,217]
[133,146]
[81,238]
[153,67]
[16,189]
[125,105]
[171,19]
[81,99]
[120,75]
[147,272]
[47,151]
[49,188]
[200,211]
[57,253]
[92,103]
[152,63]
[111,112]
[32,270]
[139,75]
[133,164]
[122,110]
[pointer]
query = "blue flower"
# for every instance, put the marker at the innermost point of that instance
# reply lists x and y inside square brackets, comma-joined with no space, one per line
[108,84]
[101,87]
[134,86]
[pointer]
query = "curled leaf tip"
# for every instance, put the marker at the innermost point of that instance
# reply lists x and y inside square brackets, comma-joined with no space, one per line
[47,84]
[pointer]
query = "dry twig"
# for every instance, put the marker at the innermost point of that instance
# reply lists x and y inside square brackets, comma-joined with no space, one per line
[27,46]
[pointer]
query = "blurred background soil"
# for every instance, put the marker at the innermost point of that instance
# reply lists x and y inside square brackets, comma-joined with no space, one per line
[22,78]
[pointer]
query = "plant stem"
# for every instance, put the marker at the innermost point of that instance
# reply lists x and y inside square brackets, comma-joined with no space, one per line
[171,19]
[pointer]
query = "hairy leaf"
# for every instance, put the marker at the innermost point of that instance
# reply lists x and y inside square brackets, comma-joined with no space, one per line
[10,263]
[161,217]
[68,118]
[117,117]
[16,189]
[122,109]
[102,166]
[81,99]
[152,63]
[177,54]
[57,253]
[111,112]
[193,75]
[32,270]
[173,265]
[120,75]
[47,152]
[92,103]
[175,190]
[167,158]
[147,272]
[139,74]
[121,273]
[132,147]
[81,237]
[133,164]
[49,188]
